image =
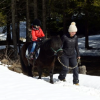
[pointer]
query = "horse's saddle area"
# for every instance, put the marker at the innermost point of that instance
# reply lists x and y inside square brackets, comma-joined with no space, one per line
[29,49]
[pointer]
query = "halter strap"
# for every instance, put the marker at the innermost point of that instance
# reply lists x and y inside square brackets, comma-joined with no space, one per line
[55,51]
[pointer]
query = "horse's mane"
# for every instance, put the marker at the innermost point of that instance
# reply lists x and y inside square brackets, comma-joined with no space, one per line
[46,44]
[51,42]
[56,41]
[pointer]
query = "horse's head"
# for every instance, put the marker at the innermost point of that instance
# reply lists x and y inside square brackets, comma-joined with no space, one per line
[56,46]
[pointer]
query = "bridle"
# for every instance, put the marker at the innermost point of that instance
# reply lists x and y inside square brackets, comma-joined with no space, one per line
[56,51]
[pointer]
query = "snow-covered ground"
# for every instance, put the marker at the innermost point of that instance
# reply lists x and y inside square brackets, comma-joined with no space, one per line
[15,86]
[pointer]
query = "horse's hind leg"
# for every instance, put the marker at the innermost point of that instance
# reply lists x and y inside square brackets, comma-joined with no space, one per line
[39,72]
[30,71]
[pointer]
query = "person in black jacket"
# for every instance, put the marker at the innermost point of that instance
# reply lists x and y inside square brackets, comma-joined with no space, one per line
[70,54]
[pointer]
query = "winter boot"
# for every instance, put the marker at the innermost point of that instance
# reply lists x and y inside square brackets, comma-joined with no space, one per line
[31,55]
[77,84]
[61,79]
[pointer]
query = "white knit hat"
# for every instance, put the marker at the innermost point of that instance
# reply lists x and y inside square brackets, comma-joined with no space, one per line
[72,27]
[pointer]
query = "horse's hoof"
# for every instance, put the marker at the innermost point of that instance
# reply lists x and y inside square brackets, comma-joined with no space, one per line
[51,82]
[30,75]
[39,77]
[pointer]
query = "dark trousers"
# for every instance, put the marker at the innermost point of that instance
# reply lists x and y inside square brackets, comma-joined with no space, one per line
[72,62]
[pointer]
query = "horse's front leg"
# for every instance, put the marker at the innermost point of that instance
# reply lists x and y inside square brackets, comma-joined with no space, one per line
[51,74]
[51,77]
[51,71]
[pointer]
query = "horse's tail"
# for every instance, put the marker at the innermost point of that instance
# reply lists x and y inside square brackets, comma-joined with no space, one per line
[23,59]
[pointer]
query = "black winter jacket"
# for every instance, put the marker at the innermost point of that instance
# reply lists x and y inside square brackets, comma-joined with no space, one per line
[70,45]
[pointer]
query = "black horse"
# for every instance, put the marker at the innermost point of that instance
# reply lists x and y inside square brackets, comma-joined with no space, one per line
[49,51]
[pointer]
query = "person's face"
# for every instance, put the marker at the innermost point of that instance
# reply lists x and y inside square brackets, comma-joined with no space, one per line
[72,33]
[36,26]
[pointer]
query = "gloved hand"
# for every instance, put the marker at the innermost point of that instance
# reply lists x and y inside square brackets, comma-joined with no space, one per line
[39,39]
[79,61]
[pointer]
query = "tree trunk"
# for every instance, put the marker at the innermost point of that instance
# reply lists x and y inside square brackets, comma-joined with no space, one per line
[86,31]
[35,9]
[8,39]
[87,24]
[14,30]
[8,27]
[8,30]
[64,16]
[44,15]
[86,36]
[27,22]
[18,33]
